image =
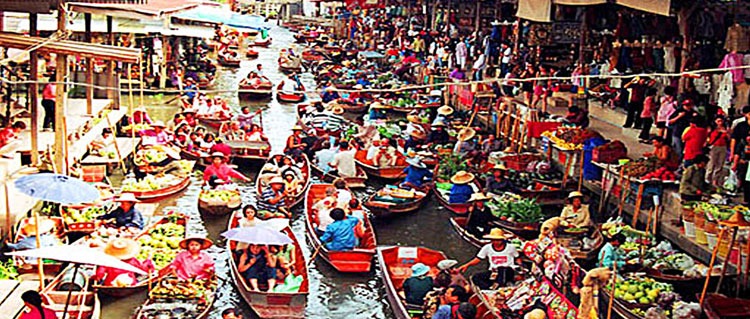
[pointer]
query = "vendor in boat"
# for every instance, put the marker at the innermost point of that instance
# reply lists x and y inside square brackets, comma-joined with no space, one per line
[341,234]
[29,232]
[220,170]
[608,256]
[294,145]
[190,90]
[465,145]
[462,189]
[576,214]
[418,175]
[416,140]
[291,84]
[253,265]
[34,307]
[329,94]
[438,135]
[480,216]
[383,153]
[343,161]
[273,200]
[377,111]
[103,142]
[125,215]
[193,263]
[502,257]
[157,134]
[124,249]
[140,116]
[416,287]
[497,184]
[443,114]
[664,153]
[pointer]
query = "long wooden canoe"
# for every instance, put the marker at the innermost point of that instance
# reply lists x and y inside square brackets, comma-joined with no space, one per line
[459,225]
[213,209]
[459,209]
[250,150]
[351,182]
[232,63]
[150,196]
[357,260]
[393,172]
[155,307]
[278,161]
[290,97]
[272,304]
[251,93]
[395,265]
[380,207]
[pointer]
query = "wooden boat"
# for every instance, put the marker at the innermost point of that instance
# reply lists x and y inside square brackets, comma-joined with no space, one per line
[574,244]
[251,54]
[687,286]
[50,268]
[356,260]
[144,280]
[250,150]
[205,82]
[351,182]
[262,42]
[290,97]
[312,55]
[620,307]
[395,265]
[149,196]
[194,308]
[278,160]
[272,304]
[290,68]
[717,306]
[459,209]
[551,296]
[214,122]
[523,230]
[84,303]
[218,209]
[201,161]
[262,92]
[380,207]
[354,108]
[394,172]
[232,63]
[459,225]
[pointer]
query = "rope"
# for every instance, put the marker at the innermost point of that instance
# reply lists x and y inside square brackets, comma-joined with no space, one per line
[408,87]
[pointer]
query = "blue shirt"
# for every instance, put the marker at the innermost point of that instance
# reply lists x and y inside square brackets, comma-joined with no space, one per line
[329,96]
[608,256]
[460,193]
[264,204]
[416,175]
[339,235]
[190,91]
[131,218]
[443,312]
[377,115]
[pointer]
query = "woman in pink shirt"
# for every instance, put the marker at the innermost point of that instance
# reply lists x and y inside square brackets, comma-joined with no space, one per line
[650,107]
[48,103]
[666,108]
[193,262]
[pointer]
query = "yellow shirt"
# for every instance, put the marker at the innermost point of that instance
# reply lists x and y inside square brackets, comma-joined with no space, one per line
[576,218]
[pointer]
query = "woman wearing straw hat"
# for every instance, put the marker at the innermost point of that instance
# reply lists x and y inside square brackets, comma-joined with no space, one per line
[416,139]
[465,146]
[377,112]
[502,258]
[126,215]
[124,249]
[219,170]
[294,144]
[461,190]
[193,262]
[576,214]
[497,183]
[438,135]
[418,175]
[443,114]
[480,216]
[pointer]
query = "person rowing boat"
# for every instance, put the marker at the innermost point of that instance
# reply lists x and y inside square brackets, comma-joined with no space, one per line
[219,170]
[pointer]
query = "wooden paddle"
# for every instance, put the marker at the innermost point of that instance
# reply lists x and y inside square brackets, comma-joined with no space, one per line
[173,99]
[314,255]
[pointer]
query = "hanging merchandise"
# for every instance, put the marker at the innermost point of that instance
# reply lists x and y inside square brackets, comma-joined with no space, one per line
[654,6]
[734,59]
[726,92]
[738,39]
[535,10]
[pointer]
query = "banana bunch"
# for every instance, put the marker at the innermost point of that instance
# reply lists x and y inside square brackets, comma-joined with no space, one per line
[561,143]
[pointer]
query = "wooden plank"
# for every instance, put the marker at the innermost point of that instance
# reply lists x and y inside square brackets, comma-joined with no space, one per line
[13,304]
[6,287]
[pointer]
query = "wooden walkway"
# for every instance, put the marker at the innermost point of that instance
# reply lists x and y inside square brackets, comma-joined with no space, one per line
[10,294]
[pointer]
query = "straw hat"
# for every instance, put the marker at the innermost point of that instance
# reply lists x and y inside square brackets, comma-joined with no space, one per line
[445,110]
[122,248]
[478,196]
[412,118]
[418,134]
[466,134]
[45,226]
[358,87]
[205,242]
[446,264]
[377,105]
[462,177]
[498,233]
[419,269]
[158,124]
[535,314]
[276,180]
[337,110]
[575,194]
[127,197]
[500,167]
[416,162]
[217,154]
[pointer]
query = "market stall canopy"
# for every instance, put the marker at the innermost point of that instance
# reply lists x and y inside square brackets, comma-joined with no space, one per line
[46,6]
[154,9]
[541,10]
[220,15]
[74,48]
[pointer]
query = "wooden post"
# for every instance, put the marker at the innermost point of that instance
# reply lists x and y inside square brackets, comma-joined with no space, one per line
[478,19]
[580,173]
[89,68]
[584,34]
[61,137]
[726,259]
[39,261]
[34,93]
[612,291]
[566,170]
[711,263]
[113,92]
[638,200]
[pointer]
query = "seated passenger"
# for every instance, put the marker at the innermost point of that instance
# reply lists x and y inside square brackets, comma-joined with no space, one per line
[253,266]
[418,285]
[340,235]
[461,191]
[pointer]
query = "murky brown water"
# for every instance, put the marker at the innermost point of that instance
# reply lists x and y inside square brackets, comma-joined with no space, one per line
[332,295]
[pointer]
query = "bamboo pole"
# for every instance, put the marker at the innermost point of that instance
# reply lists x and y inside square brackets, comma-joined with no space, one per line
[140,69]
[565,171]
[726,259]
[580,173]
[117,147]
[638,201]
[711,264]
[612,291]
[130,104]
[39,261]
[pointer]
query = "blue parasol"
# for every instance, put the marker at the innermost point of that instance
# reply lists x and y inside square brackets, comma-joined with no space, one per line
[57,188]
[257,235]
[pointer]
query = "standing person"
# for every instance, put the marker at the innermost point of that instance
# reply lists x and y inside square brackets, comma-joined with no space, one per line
[461,54]
[527,87]
[718,139]
[679,121]
[638,87]
[49,94]
[479,65]
[193,262]
[667,106]
[650,108]
[34,307]
[502,258]
[506,53]
[694,139]
[343,161]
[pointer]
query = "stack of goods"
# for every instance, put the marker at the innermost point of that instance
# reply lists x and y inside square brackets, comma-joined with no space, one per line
[81,219]
[177,289]
[609,153]
[149,156]
[648,169]
[512,208]
[715,212]
[150,183]
[568,138]
[8,270]
[162,243]
[514,302]
[641,294]
[393,194]
[220,197]
[136,127]
[102,235]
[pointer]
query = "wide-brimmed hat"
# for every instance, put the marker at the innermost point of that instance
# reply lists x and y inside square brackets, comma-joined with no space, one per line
[45,226]
[158,124]
[575,194]
[127,197]
[377,105]
[218,154]
[419,269]
[445,110]
[416,162]
[499,167]
[358,87]
[297,128]
[446,264]
[497,233]
[205,242]
[418,134]
[478,196]
[122,248]
[466,134]
[462,177]
[269,168]
[337,110]
[276,180]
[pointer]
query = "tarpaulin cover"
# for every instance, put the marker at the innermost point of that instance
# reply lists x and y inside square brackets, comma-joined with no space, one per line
[224,16]
[653,6]
[535,10]
[364,4]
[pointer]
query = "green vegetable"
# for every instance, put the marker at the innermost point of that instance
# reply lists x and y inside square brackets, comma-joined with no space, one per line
[8,270]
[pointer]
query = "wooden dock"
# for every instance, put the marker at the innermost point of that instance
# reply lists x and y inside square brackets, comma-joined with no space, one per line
[10,294]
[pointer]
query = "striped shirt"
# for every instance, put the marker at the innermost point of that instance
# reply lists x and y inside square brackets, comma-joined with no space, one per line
[265,197]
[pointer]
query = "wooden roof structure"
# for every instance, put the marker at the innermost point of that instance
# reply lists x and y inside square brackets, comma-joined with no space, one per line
[46,6]
[154,9]
[67,47]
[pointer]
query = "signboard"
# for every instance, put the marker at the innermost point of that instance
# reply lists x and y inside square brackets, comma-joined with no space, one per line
[45,6]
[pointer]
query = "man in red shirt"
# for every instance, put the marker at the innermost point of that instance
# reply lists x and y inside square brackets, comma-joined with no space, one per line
[8,135]
[694,140]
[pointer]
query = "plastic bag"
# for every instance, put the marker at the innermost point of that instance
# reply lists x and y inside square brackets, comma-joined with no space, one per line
[291,284]
[730,184]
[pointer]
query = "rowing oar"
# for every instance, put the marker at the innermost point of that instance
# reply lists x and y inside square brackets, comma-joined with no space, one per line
[173,99]
[315,254]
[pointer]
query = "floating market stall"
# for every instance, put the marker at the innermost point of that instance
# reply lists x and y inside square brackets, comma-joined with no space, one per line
[565,147]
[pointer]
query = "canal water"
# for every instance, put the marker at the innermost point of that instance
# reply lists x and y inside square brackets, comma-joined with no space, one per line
[332,294]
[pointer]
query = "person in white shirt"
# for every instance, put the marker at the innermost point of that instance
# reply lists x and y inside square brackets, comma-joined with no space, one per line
[502,257]
[343,194]
[290,84]
[322,210]
[479,65]
[507,53]
[343,162]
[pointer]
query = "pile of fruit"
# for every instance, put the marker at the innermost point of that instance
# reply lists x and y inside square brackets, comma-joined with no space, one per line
[186,166]
[720,212]
[178,289]
[644,291]
[526,180]
[640,167]
[396,192]
[150,183]
[137,127]
[149,156]
[102,235]
[220,196]
[515,209]
[105,153]
[83,215]
[570,138]
[661,173]
[162,243]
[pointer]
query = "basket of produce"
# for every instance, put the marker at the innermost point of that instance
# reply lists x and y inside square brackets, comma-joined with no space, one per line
[162,242]
[83,219]
[519,162]
[217,197]
[609,153]
[637,294]
[522,216]
[569,138]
